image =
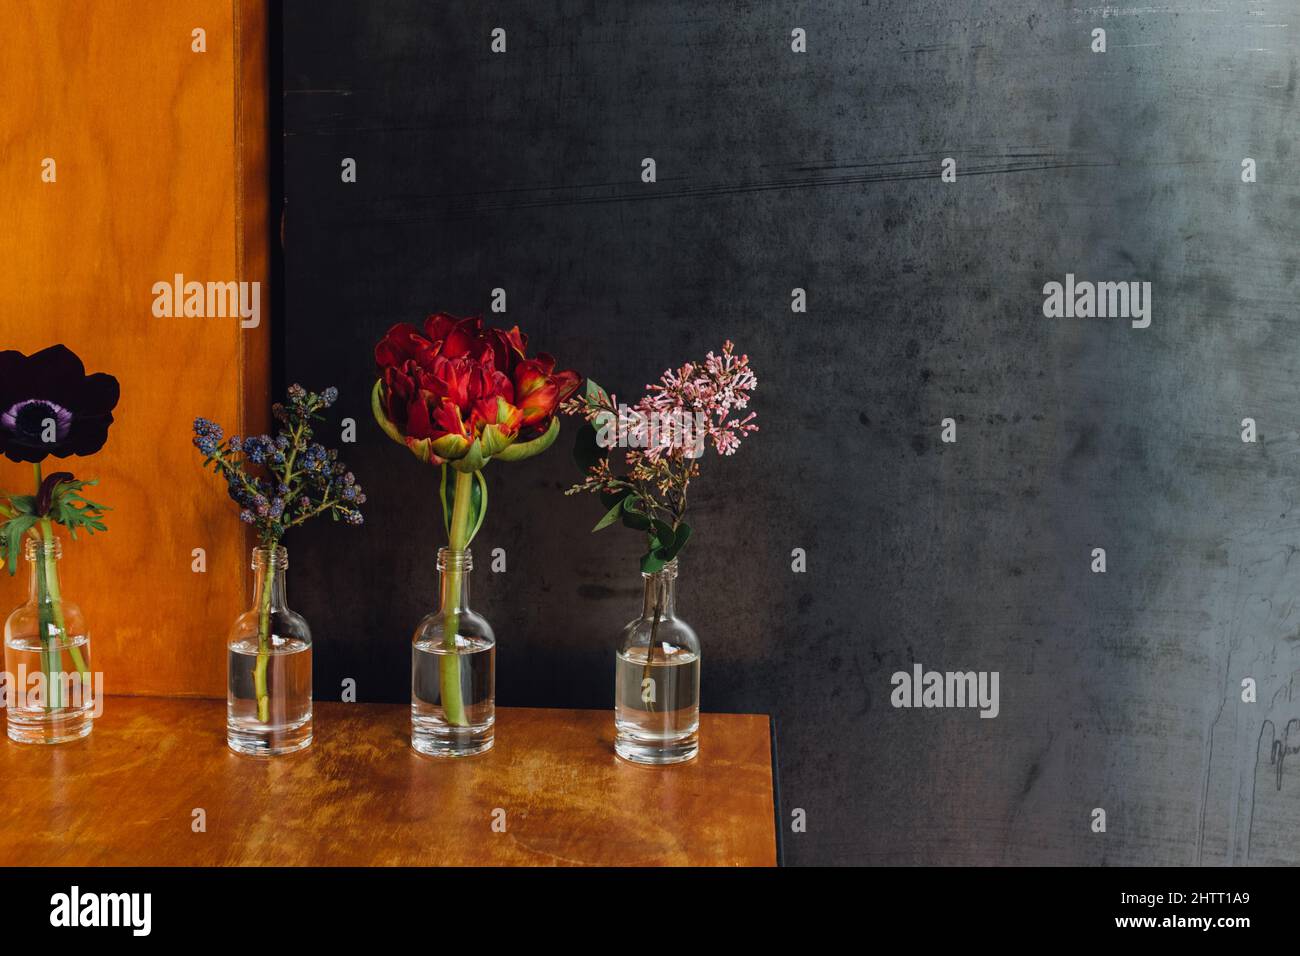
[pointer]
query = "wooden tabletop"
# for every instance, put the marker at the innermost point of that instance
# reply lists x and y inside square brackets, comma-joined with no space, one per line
[359,796]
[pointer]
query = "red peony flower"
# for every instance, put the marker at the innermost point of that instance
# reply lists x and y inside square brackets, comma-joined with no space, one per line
[460,393]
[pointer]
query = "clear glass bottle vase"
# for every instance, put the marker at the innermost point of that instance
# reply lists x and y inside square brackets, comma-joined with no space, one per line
[268,695]
[453,669]
[657,679]
[52,694]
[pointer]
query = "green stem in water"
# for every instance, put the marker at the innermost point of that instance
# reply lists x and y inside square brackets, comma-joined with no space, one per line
[658,585]
[56,609]
[51,658]
[453,701]
[44,622]
[264,642]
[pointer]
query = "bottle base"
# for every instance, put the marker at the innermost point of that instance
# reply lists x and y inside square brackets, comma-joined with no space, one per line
[42,728]
[254,741]
[443,741]
[656,752]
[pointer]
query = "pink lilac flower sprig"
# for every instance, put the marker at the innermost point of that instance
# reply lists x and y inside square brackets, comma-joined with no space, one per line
[282,481]
[665,434]
[713,389]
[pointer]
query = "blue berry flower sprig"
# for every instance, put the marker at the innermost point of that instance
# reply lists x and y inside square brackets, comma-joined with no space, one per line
[283,481]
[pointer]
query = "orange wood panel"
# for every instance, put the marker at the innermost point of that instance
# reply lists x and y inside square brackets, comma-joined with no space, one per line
[161,169]
[359,796]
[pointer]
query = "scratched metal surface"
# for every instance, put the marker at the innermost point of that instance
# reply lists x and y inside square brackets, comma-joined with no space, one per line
[778,170]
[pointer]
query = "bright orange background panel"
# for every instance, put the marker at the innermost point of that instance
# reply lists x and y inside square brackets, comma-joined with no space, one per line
[160,156]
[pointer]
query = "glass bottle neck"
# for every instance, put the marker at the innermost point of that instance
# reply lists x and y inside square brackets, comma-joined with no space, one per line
[269,589]
[453,589]
[43,582]
[660,595]
[269,567]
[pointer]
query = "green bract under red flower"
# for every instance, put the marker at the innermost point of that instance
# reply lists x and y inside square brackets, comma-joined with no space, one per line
[461,393]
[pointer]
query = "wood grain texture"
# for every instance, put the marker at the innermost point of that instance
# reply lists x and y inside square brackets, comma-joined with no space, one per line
[360,796]
[161,169]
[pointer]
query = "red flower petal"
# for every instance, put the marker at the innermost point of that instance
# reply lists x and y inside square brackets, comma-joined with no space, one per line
[403,343]
[568,381]
[540,403]
[438,325]
[419,421]
[448,420]
[529,377]
[462,337]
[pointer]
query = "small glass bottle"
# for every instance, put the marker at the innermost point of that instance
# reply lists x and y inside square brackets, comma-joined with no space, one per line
[453,669]
[268,697]
[657,680]
[52,695]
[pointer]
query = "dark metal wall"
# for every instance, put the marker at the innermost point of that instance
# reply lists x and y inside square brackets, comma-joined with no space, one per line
[820,170]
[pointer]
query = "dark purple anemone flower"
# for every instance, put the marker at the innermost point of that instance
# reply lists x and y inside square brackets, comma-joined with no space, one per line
[50,406]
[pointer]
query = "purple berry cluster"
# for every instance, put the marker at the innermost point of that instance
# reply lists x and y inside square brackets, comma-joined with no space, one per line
[207,435]
[281,481]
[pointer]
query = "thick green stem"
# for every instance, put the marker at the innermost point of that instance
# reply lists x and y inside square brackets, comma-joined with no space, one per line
[49,650]
[56,608]
[45,622]
[263,648]
[654,634]
[453,701]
